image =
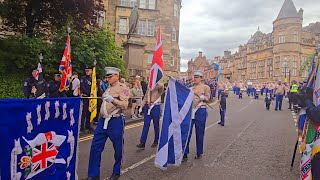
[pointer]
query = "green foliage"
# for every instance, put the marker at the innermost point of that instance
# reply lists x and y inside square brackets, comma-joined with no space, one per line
[307,64]
[33,17]
[18,54]
[11,86]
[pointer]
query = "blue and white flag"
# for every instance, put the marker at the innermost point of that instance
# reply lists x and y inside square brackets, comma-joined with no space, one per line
[39,138]
[176,125]
[316,95]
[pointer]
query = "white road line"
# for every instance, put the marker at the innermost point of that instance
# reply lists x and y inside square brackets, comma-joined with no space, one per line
[151,157]
[225,149]
[137,164]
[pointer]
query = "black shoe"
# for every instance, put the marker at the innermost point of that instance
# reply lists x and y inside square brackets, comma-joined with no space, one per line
[154,145]
[289,108]
[185,158]
[141,146]
[114,177]
[92,178]
[219,123]
[198,156]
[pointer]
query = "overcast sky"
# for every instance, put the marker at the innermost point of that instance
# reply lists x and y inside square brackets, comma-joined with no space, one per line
[213,26]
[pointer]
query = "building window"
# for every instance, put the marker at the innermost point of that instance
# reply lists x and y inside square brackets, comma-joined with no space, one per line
[253,70]
[123,26]
[150,57]
[133,3]
[172,60]
[174,34]
[152,4]
[175,10]
[305,72]
[142,4]
[285,65]
[151,27]
[269,68]
[123,2]
[282,38]
[142,27]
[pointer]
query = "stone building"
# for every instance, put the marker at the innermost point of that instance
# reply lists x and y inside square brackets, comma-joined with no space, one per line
[139,49]
[201,63]
[277,55]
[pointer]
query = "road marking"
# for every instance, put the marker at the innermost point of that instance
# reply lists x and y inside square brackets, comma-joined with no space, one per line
[137,164]
[89,137]
[225,149]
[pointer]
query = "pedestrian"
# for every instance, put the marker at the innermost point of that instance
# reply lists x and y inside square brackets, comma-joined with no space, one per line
[199,113]
[134,94]
[152,111]
[54,85]
[104,84]
[144,85]
[240,94]
[110,125]
[33,87]
[280,91]
[85,87]
[292,94]
[75,85]
[223,108]
[268,100]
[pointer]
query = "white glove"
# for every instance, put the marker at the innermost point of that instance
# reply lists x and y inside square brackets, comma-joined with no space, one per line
[108,98]
[140,110]
[202,98]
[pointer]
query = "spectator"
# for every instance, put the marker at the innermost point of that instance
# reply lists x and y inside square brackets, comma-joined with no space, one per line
[75,85]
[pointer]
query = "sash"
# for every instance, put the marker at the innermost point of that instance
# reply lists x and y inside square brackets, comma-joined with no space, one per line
[107,116]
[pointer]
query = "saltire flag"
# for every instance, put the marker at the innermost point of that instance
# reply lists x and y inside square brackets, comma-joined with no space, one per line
[310,138]
[217,67]
[65,67]
[93,93]
[157,66]
[176,124]
[39,138]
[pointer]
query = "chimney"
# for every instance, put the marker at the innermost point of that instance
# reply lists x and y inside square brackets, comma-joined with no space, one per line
[227,54]
[301,13]
[200,54]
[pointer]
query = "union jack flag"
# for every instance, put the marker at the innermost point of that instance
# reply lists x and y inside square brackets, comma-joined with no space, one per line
[157,66]
[65,67]
[39,72]
[43,156]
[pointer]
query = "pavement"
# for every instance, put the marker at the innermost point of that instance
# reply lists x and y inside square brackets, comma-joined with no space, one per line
[253,144]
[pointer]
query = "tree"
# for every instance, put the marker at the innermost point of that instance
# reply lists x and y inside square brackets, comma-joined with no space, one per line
[307,64]
[34,17]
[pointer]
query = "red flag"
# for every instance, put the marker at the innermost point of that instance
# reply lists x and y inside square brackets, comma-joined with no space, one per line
[157,66]
[65,67]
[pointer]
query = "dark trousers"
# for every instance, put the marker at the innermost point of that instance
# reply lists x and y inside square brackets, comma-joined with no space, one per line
[292,99]
[114,131]
[267,106]
[315,164]
[85,117]
[155,116]
[279,98]
[222,116]
[200,125]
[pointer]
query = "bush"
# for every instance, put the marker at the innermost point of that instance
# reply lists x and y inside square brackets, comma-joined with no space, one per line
[11,86]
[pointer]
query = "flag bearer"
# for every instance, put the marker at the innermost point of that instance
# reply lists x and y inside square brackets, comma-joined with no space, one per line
[199,113]
[85,88]
[53,87]
[110,125]
[151,106]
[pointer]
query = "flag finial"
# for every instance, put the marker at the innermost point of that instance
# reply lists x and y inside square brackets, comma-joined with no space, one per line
[40,57]
[69,30]
[95,62]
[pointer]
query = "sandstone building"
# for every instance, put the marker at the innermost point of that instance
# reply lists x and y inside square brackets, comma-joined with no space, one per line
[152,13]
[274,56]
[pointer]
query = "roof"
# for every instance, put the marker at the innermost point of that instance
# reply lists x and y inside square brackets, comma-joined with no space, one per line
[257,36]
[288,10]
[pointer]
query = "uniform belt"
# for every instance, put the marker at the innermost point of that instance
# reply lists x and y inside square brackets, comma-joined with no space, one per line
[158,103]
[203,106]
[116,115]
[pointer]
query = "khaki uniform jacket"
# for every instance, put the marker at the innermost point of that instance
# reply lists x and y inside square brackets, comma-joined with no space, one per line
[200,89]
[121,95]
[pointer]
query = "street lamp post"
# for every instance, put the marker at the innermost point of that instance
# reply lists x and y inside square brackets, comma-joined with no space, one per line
[285,66]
